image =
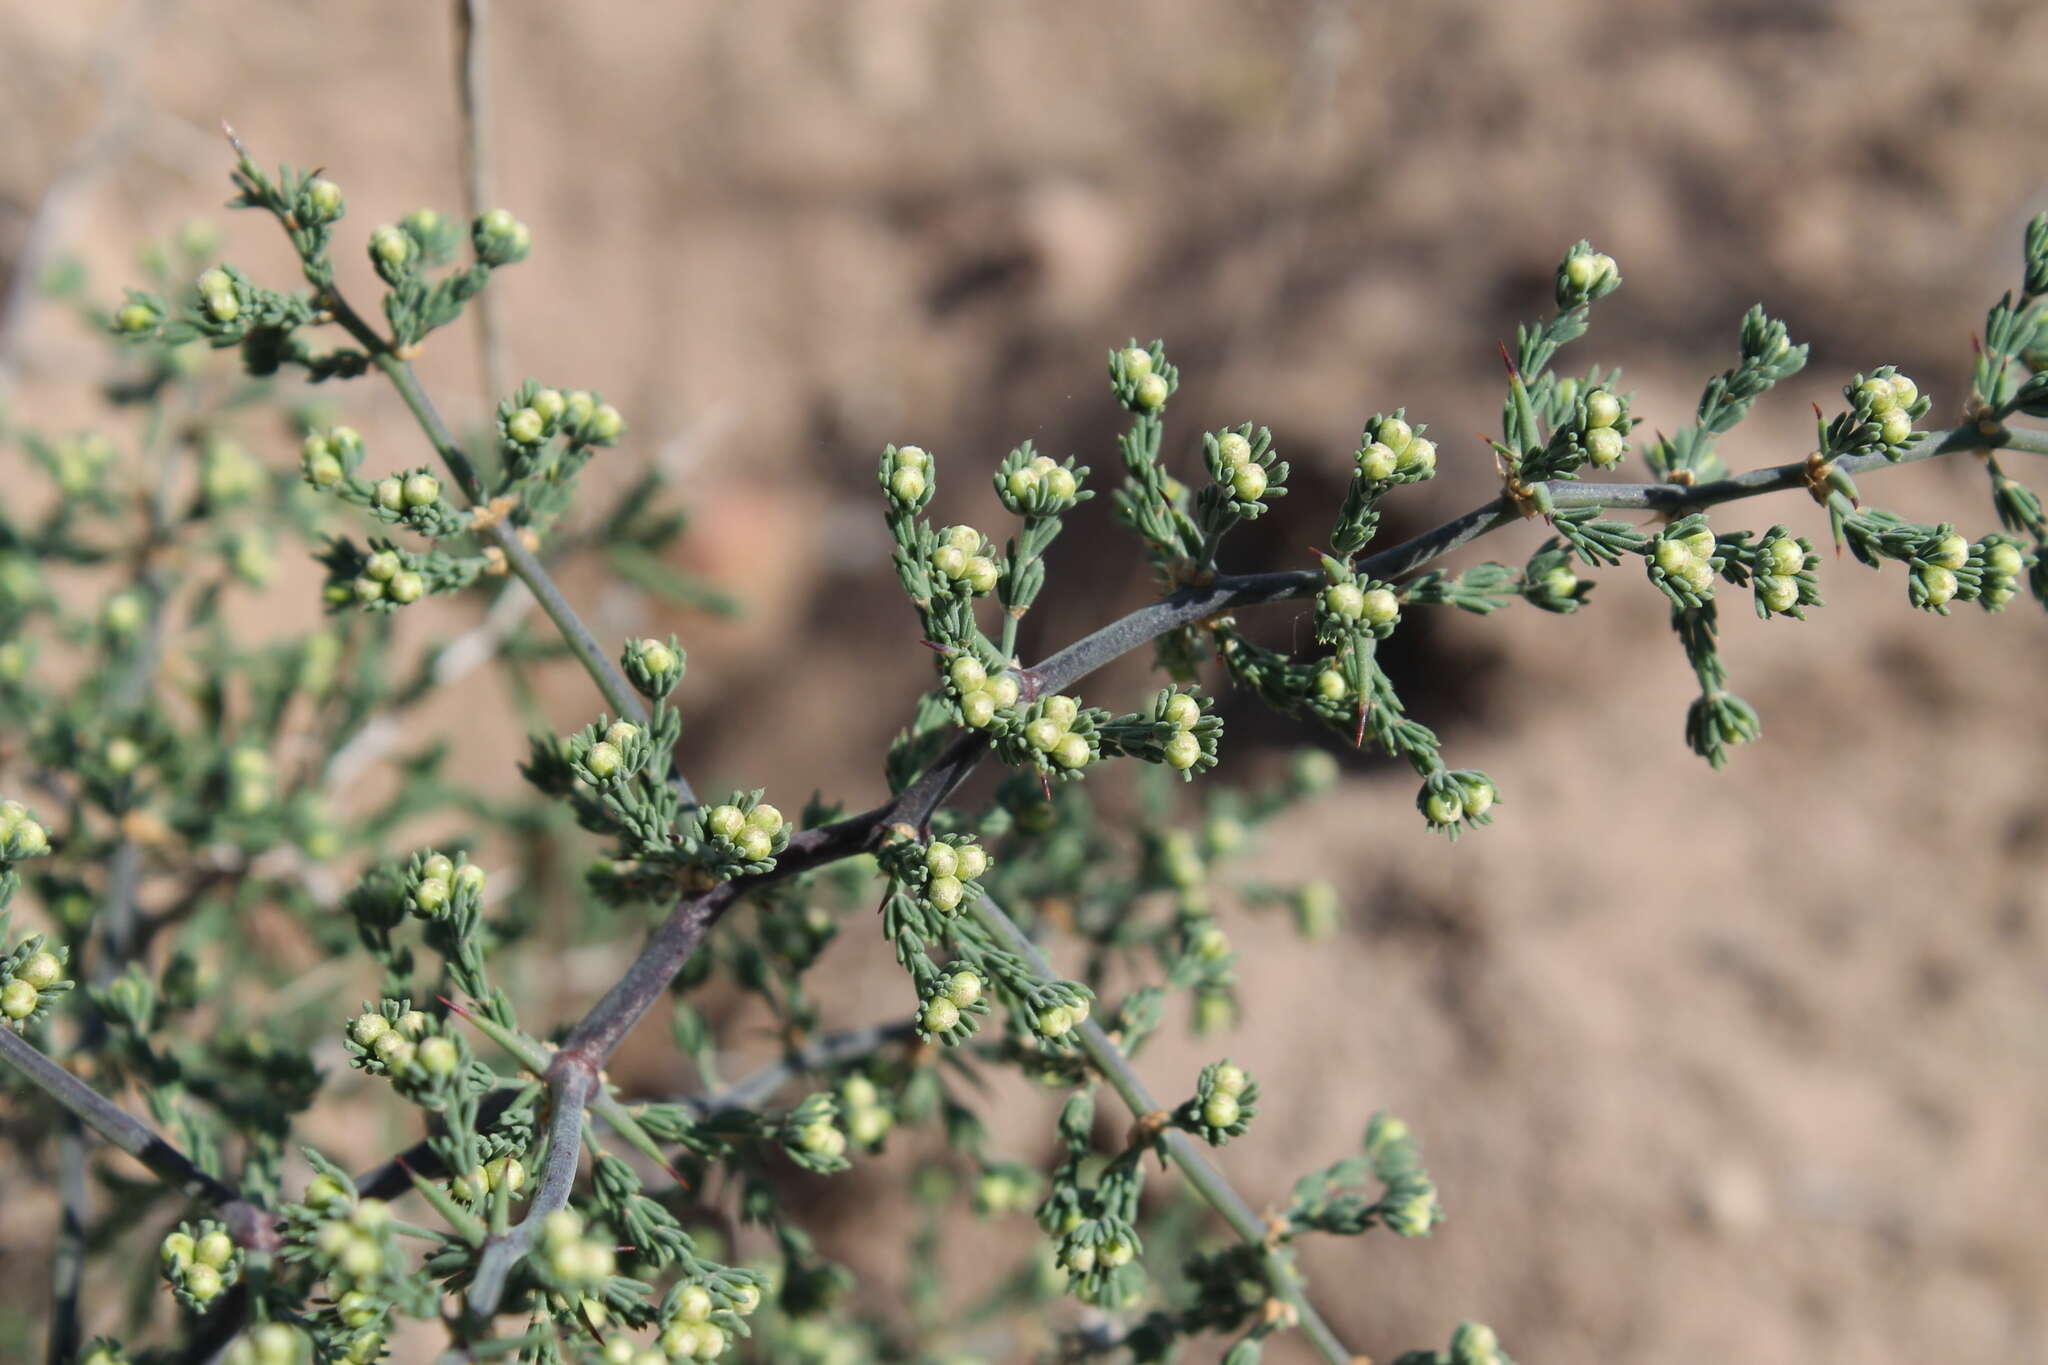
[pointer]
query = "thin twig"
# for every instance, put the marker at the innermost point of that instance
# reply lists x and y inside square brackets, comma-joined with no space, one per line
[571,1091]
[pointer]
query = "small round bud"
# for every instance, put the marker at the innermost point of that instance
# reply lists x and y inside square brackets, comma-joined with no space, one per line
[1479,794]
[942,859]
[421,490]
[439,1056]
[203,1282]
[177,1249]
[323,196]
[1228,1079]
[1950,552]
[1183,751]
[910,457]
[1330,685]
[1380,607]
[1022,481]
[823,1139]
[1004,689]
[413,1024]
[1249,483]
[621,733]
[710,1341]
[1904,391]
[1151,392]
[1698,575]
[1393,433]
[507,1173]
[1345,601]
[1701,542]
[1378,462]
[1137,362]
[603,760]
[214,1248]
[2004,560]
[405,588]
[981,575]
[223,306]
[605,424]
[322,469]
[1671,556]
[1444,807]
[1938,585]
[1073,752]
[1221,1111]
[755,844]
[1776,592]
[963,988]
[693,1304]
[124,613]
[1232,450]
[1211,944]
[1044,734]
[1897,427]
[967,674]
[368,1028]
[745,1299]
[1061,483]
[136,318]
[42,970]
[1603,409]
[978,709]
[1604,446]
[1560,581]
[392,246]
[1420,457]
[17,999]
[656,657]
[907,485]
[1786,555]
[972,862]
[390,494]
[550,404]
[383,565]
[765,817]
[944,893]
[1877,395]
[430,897]
[726,822]
[950,561]
[940,1015]
[1054,1022]
[527,427]
[680,1340]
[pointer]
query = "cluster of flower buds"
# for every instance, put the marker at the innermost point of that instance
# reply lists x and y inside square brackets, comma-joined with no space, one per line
[2005,561]
[1391,451]
[413,498]
[1225,1100]
[868,1119]
[138,317]
[965,560]
[743,835]
[500,239]
[436,884]
[1180,732]
[1141,378]
[978,694]
[22,836]
[698,1321]
[1057,1008]
[654,667]
[1941,570]
[1882,411]
[326,458]
[1245,469]
[501,1172]
[608,753]
[1410,1207]
[278,1343]
[535,414]
[908,478]
[1005,1187]
[1785,581]
[1683,561]
[1349,605]
[222,293]
[1550,582]
[812,1137]
[81,463]
[1584,276]
[201,1262]
[1599,424]
[31,977]
[1056,735]
[1034,485]
[578,1260]
[385,579]
[951,1005]
[388,1041]
[1455,800]
[943,874]
[354,1249]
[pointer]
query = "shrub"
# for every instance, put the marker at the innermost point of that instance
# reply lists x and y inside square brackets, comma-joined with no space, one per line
[166,744]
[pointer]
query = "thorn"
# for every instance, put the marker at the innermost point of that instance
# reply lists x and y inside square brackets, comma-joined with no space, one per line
[933,645]
[235,142]
[461,1010]
[1045,783]
[1358,739]
[1508,361]
[1816,410]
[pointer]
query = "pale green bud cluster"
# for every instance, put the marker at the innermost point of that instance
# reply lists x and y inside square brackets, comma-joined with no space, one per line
[1225,1100]
[251,780]
[1244,468]
[506,1172]
[1050,732]
[22,836]
[1682,561]
[1584,276]
[951,869]
[139,317]
[654,667]
[500,239]
[273,1343]
[748,835]
[978,694]
[1056,1021]
[1450,800]
[326,458]
[580,1260]
[31,976]
[963,558]
[124,613]
[1038,485]
[536,414]
[946,1011]
[1349,606]
[694,1325]
[909,477]
[220,295]
[1784,576]
[1316,909]
[1891,402]
[200,1262]
[352,1249]
[868,1119]
[1141,378]
[438,885]
[1392,451]
[389,1041]
[386,576]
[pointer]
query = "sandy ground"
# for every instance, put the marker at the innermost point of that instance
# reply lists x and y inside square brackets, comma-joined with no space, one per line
[1709,1067]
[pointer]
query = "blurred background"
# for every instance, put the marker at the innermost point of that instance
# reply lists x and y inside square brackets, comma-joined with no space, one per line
[1708,1067]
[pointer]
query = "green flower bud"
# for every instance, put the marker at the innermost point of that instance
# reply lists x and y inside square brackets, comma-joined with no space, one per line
[1474,1344]
[978,709]
[1221,1111]
[1249,483]
[395,1051]
[383,565]
[680,1341]
[745,1299]
[322,469]
[605,424]
[124,613]
[755,844]
[1698,575]
[1480,795]
[214,1248]
[1603,409]
[421,490]
[973,861]
[367,590]
[944,893]
[42,970]
[1022,481]
[392,245]
[527,427]
[1877,395]
[323,197]
[1419,458]
[1183,751]
[2004,560]
[507,1173]
[439,1056]
[603,760]
[1330,685]
[1380,607]
[1054,1022]
[17,999]
[1897,427]
[325,1192]
[438,867]
[366,1029]
[1904,391]
[413,1024]
[1232,450]
[906,485]
[981,575]
[1151,392]
[390,494]
[1378,462]
[203,1283]
[1786,555]
[1937,585]
[1115,1252]
[1073,752]
[726,822]
[1777,593]
[1604,446]
[967,674]
[1444,807]
[1671,556]
[370,1214]
[223,306]
[710,1341]
[1950,552]
[766,817]
[1228,1079]
[1044,734]
[135,319]
[1137,362]
[406,587]
[1061,483]
[1393,433]
[500,239]
[1211,944]
[694,1304]
[469,879]
[963,988]
[177,1249]
[822,1139]
[942,859]
[940,1015]
[910,457]
[1345,601]
[1182,710]
[656,657]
